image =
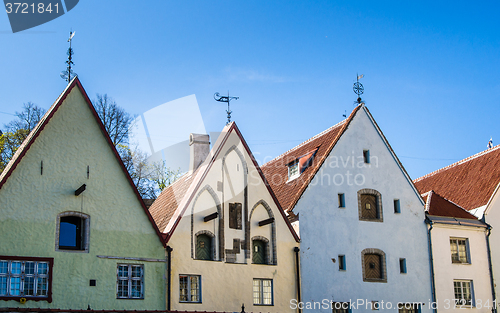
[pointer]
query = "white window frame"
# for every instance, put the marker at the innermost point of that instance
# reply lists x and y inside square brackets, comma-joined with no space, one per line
[293,170]
[188,288]
[460,300]
[463,258]
[130,279]
[259,300]
[7,277]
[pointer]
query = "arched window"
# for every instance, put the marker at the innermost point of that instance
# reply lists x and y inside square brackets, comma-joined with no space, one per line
[370,205]
[204,247]
[374,267]
[72,232]
[259,250]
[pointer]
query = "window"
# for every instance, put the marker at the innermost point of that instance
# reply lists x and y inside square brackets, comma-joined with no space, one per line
[342,262]
[370,205]
[366,156]
[259,252]
[235,215]
[262,291]
[130,281]
[463,292]
[29,278]
[374,265]
[341,307]
[341,200]
[375,305]
[293,170]
[402,266]
[203,247]
[409,307]
[459,250]
[190,288]
[397,208]
[72,232]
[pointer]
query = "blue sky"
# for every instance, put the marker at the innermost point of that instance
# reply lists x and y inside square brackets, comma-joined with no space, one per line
[430,67]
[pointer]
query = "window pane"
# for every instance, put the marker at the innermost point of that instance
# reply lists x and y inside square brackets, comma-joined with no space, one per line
[29,268]
[462,253]
[267,292]
[29,286]
[136,289]
[15,286]
[67,234]
[136,271]
[43,268]
[122,271]
[257,292]
[123,288]
[16,267]
[183,284]
[4,266]
[42,286]
[3,285]
[195,297]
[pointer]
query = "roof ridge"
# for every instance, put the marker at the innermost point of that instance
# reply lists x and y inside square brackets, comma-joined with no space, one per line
[467,159]
[307,141]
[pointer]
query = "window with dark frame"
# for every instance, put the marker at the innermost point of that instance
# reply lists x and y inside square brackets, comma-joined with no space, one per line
[235,215]
[27,277]
[366,156]
[341,307]
[262,291]
[342,265]
[71,233]
[341,200]
[397,208]
[130,281]
[402,265]
[190,288]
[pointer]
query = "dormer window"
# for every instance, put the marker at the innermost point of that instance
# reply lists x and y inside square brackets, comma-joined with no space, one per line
[293,170]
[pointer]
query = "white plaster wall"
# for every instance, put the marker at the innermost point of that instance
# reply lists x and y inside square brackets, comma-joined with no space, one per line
[226,286]
[492,217]
[446,271]
[328,231]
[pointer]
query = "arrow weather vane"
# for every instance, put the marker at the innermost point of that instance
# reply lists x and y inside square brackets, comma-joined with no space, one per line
[66,75]
[227,99]
[358,88]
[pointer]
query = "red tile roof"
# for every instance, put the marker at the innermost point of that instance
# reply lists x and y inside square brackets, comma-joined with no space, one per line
[26,145]
[276,170]
[438,206]
[163,208]
[469,183]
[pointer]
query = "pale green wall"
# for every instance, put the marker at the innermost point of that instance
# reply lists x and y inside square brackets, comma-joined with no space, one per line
[30,203]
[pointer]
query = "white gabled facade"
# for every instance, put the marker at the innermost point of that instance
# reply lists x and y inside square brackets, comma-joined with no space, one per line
[492,217]
[328,232]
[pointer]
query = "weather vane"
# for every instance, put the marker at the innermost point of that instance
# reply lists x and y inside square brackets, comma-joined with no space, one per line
[358,88]
[227,99]
[67,74]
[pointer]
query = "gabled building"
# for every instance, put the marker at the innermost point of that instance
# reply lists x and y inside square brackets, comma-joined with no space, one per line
[363,237]
[472,184]
[229,242]
[459,256]
[74,231]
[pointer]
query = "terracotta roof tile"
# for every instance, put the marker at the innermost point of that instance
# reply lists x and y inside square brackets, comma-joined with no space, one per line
[438,206]
[276,170]
[469,183]
[163,208]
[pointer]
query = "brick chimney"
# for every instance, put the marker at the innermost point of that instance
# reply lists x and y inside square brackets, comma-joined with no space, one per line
[199,148]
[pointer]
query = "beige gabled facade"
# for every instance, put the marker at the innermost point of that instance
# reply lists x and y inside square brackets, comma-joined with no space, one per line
[231,241]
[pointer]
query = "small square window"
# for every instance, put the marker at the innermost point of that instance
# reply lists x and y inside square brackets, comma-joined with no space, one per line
[92,283]
[190,288]
[402,266]
[293,170]
[130,281]
[397,208]
[341,200]
[262,291]
[366,156]
[342,265]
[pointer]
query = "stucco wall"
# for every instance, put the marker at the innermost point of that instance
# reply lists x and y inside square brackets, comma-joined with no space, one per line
[226,286]
[30,203]
[446,271]
[328,231]
[492,217]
